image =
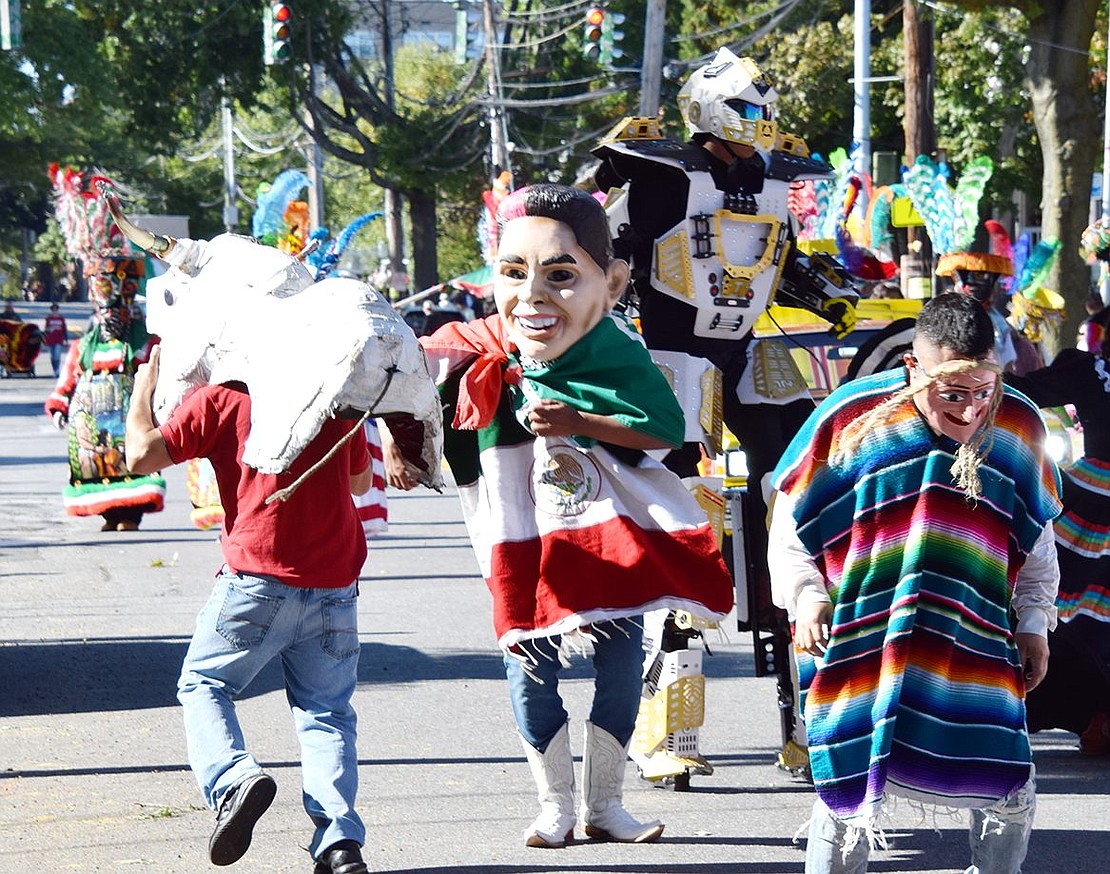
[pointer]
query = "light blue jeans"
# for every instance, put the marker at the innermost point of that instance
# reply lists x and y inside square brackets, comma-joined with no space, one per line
[999,837]
[618,661]
[247,622]
[56,357]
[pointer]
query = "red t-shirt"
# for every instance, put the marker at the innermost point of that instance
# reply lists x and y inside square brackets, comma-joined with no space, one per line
[314,538]
[55,330]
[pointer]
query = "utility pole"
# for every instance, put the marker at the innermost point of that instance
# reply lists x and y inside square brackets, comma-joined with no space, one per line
[919,126]
[920,132]
[231,211]
[498,134]
[315,182]
[316,154]
[861,117]
[651,69]
[394,218]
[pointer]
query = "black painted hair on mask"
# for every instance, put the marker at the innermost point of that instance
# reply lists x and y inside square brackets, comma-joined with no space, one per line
[578,210]
[958,322]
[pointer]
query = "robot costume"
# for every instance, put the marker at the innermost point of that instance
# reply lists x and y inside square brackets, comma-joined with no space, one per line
[706,229]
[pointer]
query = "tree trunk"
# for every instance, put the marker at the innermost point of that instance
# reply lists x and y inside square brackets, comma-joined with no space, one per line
[422,213]
[1066,115]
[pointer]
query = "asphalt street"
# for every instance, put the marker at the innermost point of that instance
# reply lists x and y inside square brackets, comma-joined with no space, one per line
[93,775]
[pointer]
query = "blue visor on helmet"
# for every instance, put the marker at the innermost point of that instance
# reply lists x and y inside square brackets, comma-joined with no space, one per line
[750,111]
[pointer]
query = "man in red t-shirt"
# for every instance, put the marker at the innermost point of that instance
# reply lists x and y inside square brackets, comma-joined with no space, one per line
[55,336]
[287,590]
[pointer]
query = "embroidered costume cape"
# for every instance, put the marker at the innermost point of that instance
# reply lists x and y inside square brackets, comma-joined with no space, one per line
[94,392]
[921,691]
[569,532]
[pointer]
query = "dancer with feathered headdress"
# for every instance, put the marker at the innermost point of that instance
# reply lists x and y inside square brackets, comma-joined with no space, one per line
[93,392]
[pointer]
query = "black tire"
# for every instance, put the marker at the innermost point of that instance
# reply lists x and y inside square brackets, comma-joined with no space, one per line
[884,350]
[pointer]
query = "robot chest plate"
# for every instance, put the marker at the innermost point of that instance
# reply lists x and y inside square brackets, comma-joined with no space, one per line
[726,257]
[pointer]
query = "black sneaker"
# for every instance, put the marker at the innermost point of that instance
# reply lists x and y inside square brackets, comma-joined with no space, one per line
[344,857]
[239,811]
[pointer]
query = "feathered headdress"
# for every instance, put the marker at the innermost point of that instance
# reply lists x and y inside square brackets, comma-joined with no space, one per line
[273,200]
[83,216]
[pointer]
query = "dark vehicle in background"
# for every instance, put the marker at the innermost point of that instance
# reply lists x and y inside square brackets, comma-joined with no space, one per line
[423,323]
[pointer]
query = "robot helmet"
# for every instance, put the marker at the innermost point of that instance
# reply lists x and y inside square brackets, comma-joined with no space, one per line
[732,99]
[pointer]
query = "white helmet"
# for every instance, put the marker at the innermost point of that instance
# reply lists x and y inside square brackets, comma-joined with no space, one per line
[730,98]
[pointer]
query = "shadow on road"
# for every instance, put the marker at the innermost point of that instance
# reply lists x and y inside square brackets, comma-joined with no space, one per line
[135,673]
[922,850]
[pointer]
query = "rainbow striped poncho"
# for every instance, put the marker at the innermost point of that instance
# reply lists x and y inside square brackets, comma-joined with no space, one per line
[921,691]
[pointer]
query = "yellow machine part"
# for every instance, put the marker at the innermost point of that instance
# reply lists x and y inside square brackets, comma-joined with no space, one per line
[679,705]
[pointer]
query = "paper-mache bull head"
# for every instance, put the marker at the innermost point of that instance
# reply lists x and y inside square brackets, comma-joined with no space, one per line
[231,309]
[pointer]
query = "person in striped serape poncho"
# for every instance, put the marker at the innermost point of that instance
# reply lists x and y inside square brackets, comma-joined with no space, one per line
[912,545]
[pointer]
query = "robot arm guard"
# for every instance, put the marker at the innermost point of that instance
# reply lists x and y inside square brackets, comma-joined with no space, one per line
[819,284]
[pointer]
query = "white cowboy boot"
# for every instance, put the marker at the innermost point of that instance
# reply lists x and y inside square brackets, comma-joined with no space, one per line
[603,816]
[553,771]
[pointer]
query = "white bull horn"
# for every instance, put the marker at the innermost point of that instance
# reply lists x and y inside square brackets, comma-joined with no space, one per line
[156,244]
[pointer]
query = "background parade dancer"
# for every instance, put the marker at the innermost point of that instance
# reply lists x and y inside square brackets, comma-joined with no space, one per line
[93,392]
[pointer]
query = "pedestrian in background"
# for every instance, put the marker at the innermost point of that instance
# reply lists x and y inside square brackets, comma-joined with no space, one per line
[914,512]
[287,590]
[56,337]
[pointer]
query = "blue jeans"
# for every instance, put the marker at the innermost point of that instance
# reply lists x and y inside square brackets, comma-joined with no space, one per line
[999,837]
[56,358]
[618,662]
[247,622]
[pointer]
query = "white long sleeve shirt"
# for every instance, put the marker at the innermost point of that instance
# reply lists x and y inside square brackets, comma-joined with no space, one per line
[796,579]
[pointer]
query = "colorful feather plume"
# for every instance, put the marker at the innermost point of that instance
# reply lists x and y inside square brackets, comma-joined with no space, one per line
[878,215]
[801,200]
[1021,251]
[837,194]
[951,214]
[338,246]
[969,191]
[1036,267]
[1001,245]
[269,215]
[82,214]
[857,260]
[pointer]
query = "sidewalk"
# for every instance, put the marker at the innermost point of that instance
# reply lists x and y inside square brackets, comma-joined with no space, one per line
[93,627]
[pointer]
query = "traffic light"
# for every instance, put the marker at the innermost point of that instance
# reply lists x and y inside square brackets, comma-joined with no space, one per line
[277,29]
[611,37]
[592,33]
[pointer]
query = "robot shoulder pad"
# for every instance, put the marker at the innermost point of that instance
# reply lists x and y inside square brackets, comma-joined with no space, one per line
[787,168]
[668,152]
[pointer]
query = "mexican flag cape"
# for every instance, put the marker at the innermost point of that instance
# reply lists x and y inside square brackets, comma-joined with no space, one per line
[569,532]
